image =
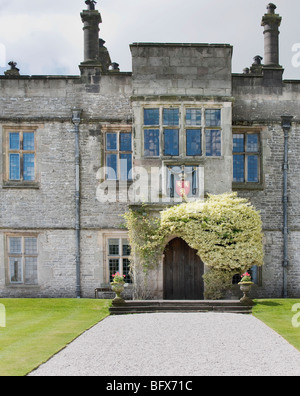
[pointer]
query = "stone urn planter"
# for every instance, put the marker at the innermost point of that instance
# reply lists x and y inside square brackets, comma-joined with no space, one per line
[245,288]
[118,287]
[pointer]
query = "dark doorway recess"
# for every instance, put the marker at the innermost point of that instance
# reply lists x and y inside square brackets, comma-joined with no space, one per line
[183,270]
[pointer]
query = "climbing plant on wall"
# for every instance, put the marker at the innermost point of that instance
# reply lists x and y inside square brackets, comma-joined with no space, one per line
[225,230]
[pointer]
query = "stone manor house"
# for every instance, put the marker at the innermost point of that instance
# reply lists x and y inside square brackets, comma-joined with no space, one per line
[78,151]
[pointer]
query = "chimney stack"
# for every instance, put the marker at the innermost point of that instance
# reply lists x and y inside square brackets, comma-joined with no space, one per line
[91,19]
[271,23]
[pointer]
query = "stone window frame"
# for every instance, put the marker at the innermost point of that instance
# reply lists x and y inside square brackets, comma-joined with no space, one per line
[23,184]
[108,236]
[250,185]
[182,127]
[23,236]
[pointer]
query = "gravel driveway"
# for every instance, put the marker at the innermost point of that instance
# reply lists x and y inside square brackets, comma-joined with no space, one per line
[176,344]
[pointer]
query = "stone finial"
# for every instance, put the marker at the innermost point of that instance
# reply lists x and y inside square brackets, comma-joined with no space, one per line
[101,42]
[256,67]
[14,71]
[104,56]
[90,4]
[271,8]
[114,66]
[257,60]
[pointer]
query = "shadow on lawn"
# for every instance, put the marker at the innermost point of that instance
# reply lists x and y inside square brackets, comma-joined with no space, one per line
[267,303]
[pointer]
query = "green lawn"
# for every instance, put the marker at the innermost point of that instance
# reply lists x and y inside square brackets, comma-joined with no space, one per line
[278,315]
[36,329]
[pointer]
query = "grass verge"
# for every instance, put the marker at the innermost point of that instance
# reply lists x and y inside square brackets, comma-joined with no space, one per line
[36,329]
[278,314]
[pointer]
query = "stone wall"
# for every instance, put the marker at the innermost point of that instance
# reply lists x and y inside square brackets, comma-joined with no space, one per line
[258,105]
[166,74]
[181,69]
[48,210]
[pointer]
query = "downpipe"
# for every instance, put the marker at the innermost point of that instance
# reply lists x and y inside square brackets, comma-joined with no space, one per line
[286,126]
[76,119]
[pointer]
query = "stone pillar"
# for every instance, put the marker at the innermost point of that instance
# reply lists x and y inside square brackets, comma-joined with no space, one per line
[271,23]
[91,20]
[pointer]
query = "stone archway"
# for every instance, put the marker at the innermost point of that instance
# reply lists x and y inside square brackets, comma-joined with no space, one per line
[182,272]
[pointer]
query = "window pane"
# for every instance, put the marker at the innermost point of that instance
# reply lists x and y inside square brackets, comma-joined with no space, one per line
[111,166]
[193,117]
[151,145]
[111,142]
[171,142]
[238,143]
[253,168]
[151,116]
[126,247]
[14,167]
[193,142]
[15,269]
[238,168]
[126,166]
[171,117]
[28,141]
[28,166]
[14,141]
[15,245]
[31,270]
[252,143]
[213,118]
[254,272]
[113,247]
[126,269]
[30,246]
[114,265]
[125,142]
[213,143]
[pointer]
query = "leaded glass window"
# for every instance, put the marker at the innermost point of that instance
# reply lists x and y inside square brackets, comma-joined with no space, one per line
[151,117]
[118,258]
[22,260]
[171,142]
[151,143]
[182,131]
[21,156]
[213,118]
[193,142]
[213,142]
[118,149]
[246,157]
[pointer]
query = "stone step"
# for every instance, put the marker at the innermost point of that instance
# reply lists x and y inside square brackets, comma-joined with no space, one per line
[151,306]
[183,303]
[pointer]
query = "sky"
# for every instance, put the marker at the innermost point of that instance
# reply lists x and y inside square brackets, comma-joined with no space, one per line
[46,37]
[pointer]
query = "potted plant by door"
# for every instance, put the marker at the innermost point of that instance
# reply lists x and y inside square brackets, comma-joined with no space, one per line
[118,287]
[245,286]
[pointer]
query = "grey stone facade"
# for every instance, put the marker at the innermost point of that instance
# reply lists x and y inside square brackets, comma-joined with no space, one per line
[165,76]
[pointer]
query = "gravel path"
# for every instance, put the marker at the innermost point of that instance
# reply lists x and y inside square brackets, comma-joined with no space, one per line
[180,344]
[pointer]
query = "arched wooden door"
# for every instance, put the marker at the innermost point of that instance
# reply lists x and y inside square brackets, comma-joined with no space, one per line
[183,270]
